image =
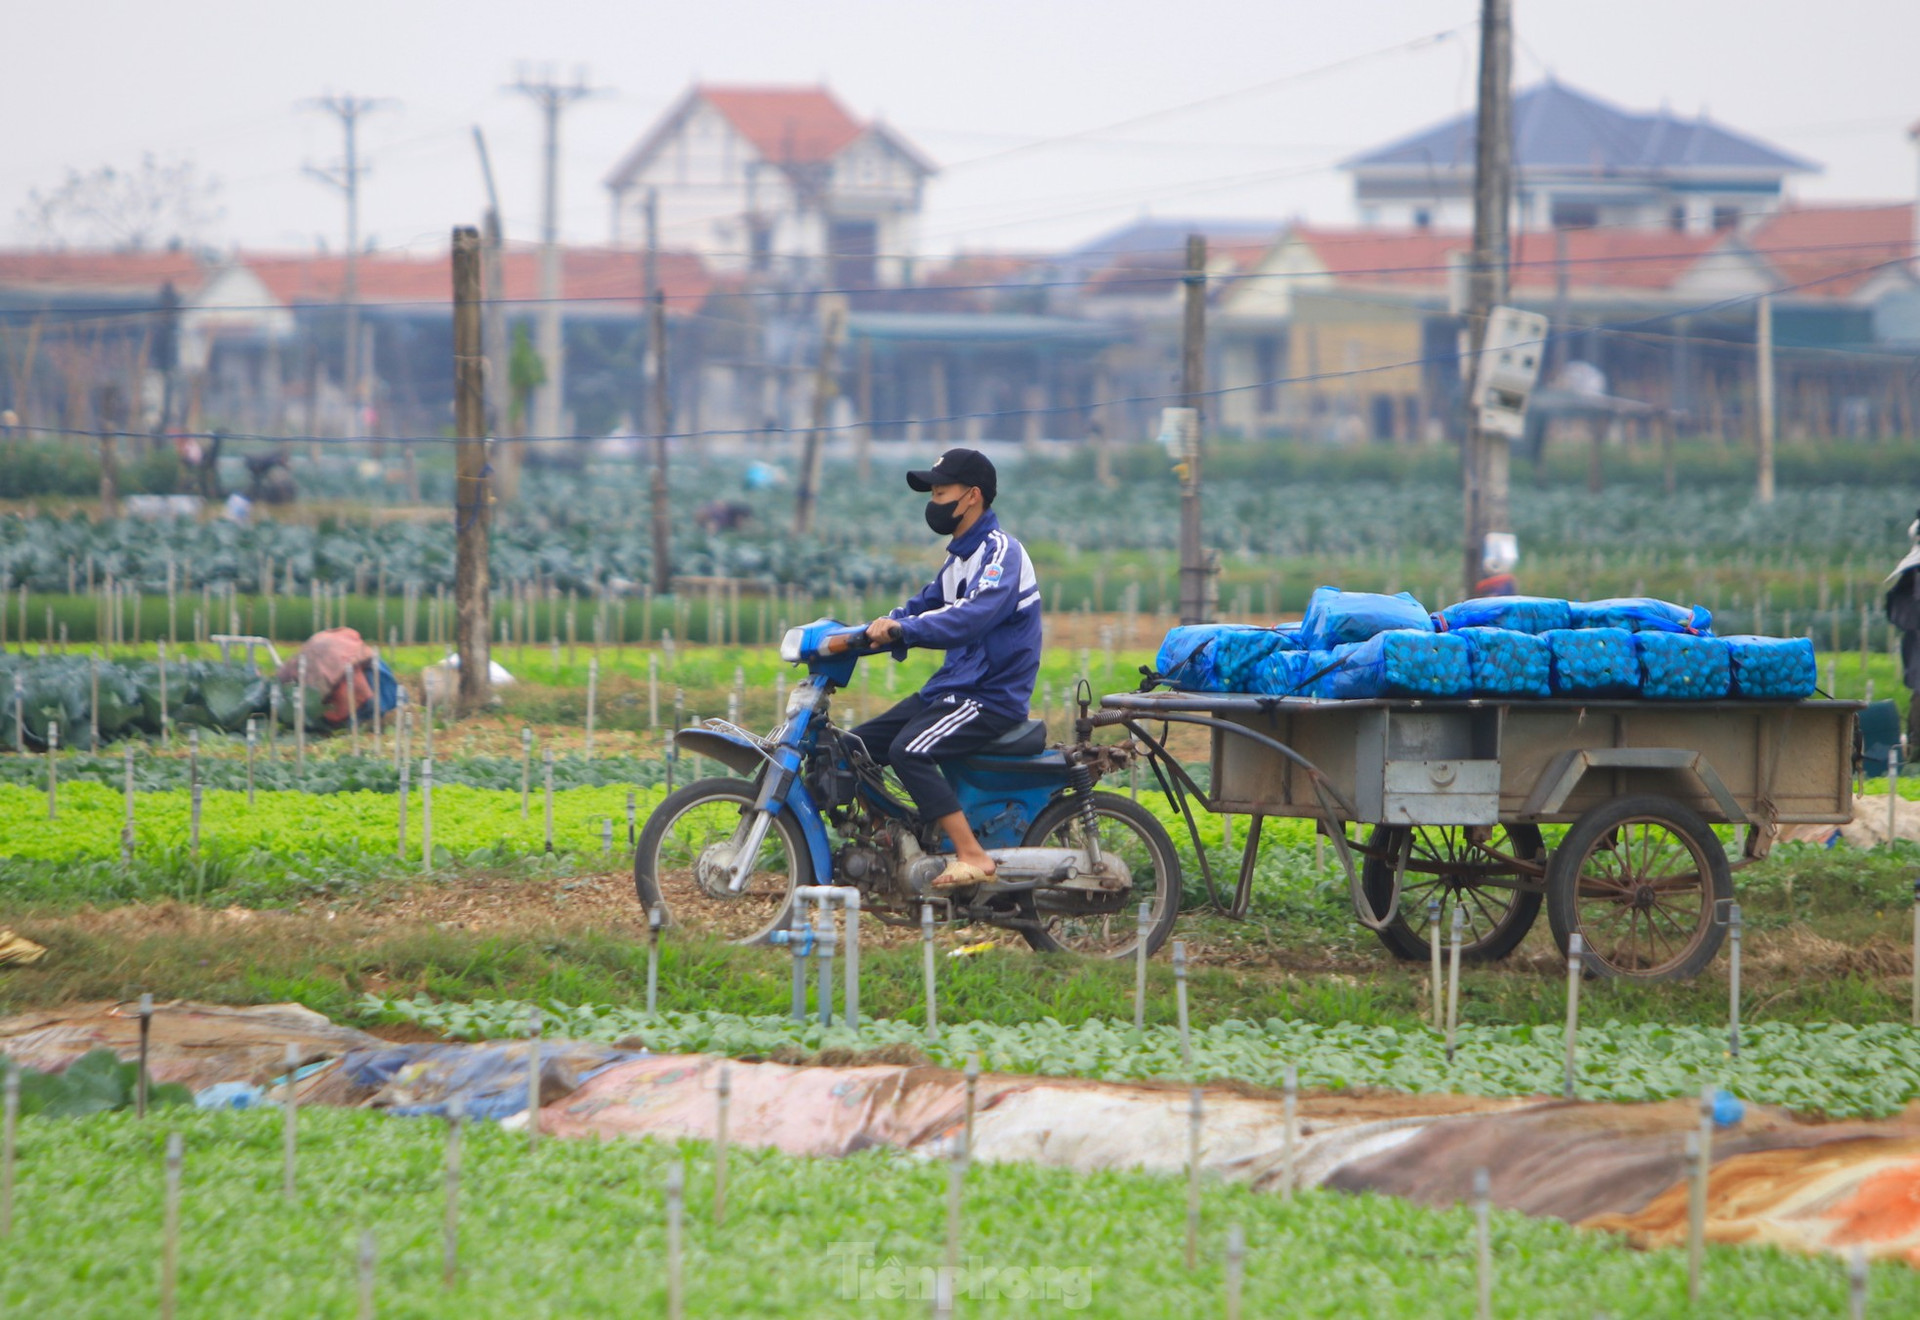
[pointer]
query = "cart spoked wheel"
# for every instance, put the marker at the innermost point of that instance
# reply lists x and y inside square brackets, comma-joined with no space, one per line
[1473,868]
[1641,879]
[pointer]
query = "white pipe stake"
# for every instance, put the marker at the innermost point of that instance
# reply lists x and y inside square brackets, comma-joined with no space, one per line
[973,1087]
[533,1079]
[1453,981]
[1236,1269]
[676,1197]
[1195,1114]
[1736,927]
[1145,925]
[450,1227]
[170,1245]
[1289,1131]
[1433,949]
[926,948]
[290,1125]
[1576,968]
[366,1270]
[723,1100]
[1856,1282]
[1180,1001]
[1483,1247]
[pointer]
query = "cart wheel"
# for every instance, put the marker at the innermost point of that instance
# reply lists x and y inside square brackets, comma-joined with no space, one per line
[1640,878]
[1448,865]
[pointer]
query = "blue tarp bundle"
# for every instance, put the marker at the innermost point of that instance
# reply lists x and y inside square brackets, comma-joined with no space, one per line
[1218,657]
[1592,662]
[1285,673]
[1772,668]
[1527,614]
[1682,667]
[1506,663]
[1335,617]
[1640,614]
[1186,658]
[1405,662]
[1238,653]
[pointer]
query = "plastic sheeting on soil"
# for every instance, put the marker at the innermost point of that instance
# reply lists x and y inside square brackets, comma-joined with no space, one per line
[490,1079]
[197,1045]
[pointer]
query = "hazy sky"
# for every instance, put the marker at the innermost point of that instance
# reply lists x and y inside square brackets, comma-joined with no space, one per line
[1037,110]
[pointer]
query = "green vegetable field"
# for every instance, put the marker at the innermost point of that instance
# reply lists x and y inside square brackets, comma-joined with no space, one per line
[579,1229]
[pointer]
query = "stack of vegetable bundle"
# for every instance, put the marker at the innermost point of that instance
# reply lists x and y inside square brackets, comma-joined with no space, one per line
[1405,662]
[1682,667]
[1772,668]
[1355,644]
[1507,663]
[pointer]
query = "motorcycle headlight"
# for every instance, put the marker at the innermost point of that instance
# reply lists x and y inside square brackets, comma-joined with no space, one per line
[790,645]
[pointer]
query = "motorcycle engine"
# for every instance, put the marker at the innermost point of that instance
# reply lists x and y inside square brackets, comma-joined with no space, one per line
[860,864]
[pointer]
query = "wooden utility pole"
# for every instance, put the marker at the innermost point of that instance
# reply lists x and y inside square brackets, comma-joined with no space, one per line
[346,178]
[1763,336]
[1196,573]
[662,423]
[825,389]
[472,634]
[1484,456]
[493,330]
[552,98]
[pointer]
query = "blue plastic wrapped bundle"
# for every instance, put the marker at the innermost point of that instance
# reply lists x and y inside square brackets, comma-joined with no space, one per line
[1286,673]
[1682,667]
[1641,614]
[1185,660]
[1238,653]
[1506,663]
[1334,617]
[1593,662]
[1772,668]
[1527,614]
[1402,663]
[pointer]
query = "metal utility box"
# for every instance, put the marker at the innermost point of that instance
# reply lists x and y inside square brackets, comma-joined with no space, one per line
[1428,767]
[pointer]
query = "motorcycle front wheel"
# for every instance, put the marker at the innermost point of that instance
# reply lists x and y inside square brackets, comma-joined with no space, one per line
[685,857]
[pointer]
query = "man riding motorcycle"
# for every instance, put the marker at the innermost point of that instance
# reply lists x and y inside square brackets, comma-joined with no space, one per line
[983,610]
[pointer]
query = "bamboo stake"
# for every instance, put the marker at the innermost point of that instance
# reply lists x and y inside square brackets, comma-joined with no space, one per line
[1576,967]
[723,1097]
[1483,1246]
[1453,984]
[533,1079]
[1195,1113]
[676,1194]
[1433,949]
[290,1125]
[926,949]
[1180,1001]
[140,1072]
[1142,929]
[450,1225]
[1289,1131]
[9,1123]
[170,1246]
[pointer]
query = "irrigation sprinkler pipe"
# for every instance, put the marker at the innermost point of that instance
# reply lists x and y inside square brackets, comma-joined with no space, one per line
[849,900]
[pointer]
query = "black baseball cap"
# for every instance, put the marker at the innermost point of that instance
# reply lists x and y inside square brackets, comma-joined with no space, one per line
[965,467]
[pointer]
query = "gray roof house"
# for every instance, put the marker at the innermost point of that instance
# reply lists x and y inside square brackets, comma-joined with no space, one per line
[1580,162]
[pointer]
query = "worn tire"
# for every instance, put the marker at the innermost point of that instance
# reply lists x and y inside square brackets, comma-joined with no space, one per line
[686,905]
[1407,940]
[1151,840]
[1578,897]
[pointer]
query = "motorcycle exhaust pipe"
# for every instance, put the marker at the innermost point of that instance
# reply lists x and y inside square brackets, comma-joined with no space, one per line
[1014,868]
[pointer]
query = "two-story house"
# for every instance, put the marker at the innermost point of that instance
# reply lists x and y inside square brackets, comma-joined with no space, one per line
[778,182]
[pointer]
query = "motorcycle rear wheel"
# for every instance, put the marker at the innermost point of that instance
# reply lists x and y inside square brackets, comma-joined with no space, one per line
[1106,925]
[696,821]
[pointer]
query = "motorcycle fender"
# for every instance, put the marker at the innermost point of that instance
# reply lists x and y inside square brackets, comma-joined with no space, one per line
[738,755]
[735,753]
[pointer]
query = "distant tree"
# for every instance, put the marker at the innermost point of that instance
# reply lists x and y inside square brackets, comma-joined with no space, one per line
[525,374]
[154,205]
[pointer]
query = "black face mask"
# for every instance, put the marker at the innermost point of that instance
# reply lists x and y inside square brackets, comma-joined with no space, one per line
[943,518]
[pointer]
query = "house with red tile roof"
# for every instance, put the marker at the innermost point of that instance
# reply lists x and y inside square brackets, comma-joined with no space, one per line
[781,182]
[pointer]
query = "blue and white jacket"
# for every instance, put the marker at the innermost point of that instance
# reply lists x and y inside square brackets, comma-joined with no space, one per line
[983,610]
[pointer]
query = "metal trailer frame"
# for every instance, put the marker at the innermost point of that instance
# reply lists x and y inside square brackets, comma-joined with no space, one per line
[1404,762]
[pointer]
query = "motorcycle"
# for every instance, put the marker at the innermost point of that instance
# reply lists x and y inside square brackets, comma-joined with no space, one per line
[807,805]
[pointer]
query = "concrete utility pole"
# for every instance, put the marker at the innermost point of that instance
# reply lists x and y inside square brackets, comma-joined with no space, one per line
[552,98]
[472,635]
[493,325]
[1763,343]
[662,423]
[1196,573]
[1484,456]
[346,177]
[826,387]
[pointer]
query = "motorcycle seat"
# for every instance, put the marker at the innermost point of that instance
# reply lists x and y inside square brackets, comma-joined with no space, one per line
[1028,739]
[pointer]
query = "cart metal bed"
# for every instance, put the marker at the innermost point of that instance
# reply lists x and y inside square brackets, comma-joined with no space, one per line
[1456,794]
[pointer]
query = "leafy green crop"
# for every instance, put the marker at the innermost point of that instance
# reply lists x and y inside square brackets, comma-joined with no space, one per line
[578,1229]
[95,1083]
[1831,1068]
